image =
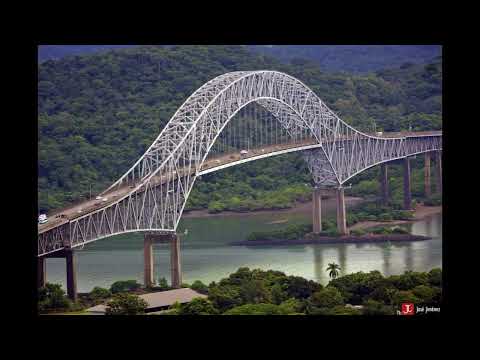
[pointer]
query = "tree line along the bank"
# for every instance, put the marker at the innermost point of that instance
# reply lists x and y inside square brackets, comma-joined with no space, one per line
[269,292]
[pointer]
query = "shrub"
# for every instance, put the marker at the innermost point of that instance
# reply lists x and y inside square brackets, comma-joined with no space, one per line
[52,297]
[124,285]
[332,232]
[402,215]
[224,297]
[385,217]
[327,297]
[216,207]
[199,287]
[126,304]
[356,286]
[300,288]
[425,293]
[198,306]
[291,306]
[99,293]
[358,232]
[399,230]
[408,280]
[403,296]
[381,230]
[256,309]
[435,277]
[372,307]
[163,284]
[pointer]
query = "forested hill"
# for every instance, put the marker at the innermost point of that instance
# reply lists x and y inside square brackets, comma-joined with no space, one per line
[99,113]
[353,58]
[54,52]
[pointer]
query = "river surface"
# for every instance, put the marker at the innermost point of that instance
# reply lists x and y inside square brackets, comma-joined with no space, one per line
[207,256]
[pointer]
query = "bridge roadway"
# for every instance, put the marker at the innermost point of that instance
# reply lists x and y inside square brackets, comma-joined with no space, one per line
[210,165]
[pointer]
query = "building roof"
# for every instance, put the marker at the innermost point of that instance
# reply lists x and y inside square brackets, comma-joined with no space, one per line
[160,299]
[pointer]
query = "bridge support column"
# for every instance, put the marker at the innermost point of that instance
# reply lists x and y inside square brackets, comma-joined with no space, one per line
[71,274]
[341,213]
[148,261]
[438,167]
[317,210]
[175,265]
[407,194]
[41,272]
[427,176]
[384,183]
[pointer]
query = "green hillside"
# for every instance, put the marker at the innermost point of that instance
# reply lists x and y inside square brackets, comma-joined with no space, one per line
[99,113]
[353,58]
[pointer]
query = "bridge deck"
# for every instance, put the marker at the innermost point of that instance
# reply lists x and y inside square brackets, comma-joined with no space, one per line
[88,206]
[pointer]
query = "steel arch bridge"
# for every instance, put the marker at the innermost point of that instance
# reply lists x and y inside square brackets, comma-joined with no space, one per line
[152,194]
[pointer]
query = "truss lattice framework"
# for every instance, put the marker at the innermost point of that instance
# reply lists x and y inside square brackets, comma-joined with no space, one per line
[164,176]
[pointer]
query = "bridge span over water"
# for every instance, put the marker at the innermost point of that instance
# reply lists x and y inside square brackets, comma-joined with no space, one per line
[234,118]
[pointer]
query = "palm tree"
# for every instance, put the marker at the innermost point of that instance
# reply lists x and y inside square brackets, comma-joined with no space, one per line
[333,268]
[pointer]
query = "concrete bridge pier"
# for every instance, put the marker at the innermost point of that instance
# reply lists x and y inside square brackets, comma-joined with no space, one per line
[148,278]
[317,210]
[341,213]
[71,263]
[384,183]
[428,192]
[407,194]
[41,272]
[71,267]
[438,167]
[175,266]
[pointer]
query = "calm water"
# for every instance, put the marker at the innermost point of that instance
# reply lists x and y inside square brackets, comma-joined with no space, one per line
[207,256]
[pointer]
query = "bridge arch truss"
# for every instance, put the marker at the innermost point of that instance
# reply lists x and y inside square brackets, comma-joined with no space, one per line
[162,178]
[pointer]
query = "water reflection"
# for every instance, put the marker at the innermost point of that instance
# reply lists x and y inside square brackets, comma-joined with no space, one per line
[387,256]
[342,259]
[318,262]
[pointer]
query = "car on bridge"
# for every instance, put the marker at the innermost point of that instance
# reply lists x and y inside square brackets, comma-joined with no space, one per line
[42,219]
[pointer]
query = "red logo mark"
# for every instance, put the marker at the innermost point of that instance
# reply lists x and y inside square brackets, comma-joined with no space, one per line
[408,309]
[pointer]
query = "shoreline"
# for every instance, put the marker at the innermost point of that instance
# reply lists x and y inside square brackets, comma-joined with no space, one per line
[421,212]
[346,239]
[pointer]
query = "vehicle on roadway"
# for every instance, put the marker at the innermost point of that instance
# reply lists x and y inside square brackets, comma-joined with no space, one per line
[98,198]
[42,219]
[379,133]
[243,152]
